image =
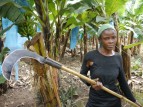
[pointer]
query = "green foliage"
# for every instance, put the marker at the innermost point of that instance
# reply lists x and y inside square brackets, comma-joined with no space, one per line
[27,28]
[67,95]
[2,79]
[101,19]
[132,45]
[136,64]
[91,29]
[139,97]
[23,19]
[139,9]
[3,53]
[114,6]
[9,9]
[87,16]
[78,7]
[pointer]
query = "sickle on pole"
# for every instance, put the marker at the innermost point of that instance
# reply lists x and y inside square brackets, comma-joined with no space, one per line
[15,56]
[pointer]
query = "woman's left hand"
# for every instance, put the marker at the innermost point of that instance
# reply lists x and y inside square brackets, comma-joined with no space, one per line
[98,86]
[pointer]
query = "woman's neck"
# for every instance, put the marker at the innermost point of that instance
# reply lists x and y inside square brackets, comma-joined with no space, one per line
[106,52]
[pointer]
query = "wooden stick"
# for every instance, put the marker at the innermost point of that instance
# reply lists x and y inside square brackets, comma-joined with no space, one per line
[93,82]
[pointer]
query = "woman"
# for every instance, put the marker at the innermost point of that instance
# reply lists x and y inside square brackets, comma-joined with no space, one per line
[106,66]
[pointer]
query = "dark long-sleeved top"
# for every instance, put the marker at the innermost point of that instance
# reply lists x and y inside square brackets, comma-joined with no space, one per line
[109,70]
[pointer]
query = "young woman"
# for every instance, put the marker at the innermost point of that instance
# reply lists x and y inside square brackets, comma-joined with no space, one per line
[105,65]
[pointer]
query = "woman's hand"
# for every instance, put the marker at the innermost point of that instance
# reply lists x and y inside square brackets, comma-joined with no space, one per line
[98,86]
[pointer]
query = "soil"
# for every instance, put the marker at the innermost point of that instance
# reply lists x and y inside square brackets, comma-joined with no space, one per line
[21,93]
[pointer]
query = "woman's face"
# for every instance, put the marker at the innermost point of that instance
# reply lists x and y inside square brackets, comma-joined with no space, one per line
[108,39]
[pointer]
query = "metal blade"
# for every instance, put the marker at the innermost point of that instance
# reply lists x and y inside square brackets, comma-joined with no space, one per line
[14,57]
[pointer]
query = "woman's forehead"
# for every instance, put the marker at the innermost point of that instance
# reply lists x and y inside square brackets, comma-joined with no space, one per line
[109,32]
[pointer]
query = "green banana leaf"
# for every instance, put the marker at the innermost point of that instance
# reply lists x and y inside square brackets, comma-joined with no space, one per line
[3,53]
[113,6]
[2,79]
[132,45]
[11,10]
[6,29]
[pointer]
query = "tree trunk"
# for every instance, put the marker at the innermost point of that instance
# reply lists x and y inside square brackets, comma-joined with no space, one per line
[125,40]
[96,40]
[81,48]
[93,42]
[62,39]
[65,43]
[57,39]
[42,10]
[126,55]
[47,83]
[115,17]
[139,49]
[45,77]
[85,40]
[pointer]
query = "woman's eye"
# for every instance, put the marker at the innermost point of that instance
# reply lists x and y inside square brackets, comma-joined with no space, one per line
[106,38]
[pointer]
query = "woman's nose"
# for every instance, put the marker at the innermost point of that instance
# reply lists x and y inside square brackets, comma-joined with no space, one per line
[111,41]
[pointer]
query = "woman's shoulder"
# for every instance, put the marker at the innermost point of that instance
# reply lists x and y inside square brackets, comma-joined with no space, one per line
[118,55]
[91,52]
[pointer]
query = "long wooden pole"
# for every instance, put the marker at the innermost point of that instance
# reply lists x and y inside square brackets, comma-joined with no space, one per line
[94,82]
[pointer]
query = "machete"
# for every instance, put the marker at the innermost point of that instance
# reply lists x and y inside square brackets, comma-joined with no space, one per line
[16,55]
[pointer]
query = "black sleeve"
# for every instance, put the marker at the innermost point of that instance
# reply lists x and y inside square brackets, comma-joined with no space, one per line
[123,83]
[84,69]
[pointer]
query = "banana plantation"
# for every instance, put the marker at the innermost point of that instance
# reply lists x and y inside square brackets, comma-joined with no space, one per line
[43,45]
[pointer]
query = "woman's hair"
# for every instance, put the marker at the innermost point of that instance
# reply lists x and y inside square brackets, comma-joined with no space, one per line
[104,31]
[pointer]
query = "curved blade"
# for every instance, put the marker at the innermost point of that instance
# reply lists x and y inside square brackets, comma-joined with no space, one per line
[14,57]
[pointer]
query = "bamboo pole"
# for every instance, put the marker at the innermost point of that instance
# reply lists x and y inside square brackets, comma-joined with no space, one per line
[94,83]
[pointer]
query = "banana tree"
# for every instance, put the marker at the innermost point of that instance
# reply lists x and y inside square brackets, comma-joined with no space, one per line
[134,23]
[23,19]
[43,10]
[130,25]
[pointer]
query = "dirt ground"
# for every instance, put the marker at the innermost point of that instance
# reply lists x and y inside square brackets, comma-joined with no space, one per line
[21,93]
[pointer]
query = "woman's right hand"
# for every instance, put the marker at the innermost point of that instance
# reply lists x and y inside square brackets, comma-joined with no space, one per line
[98,86]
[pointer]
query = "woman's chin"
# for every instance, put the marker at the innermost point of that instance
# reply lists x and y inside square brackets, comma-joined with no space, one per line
[110,48]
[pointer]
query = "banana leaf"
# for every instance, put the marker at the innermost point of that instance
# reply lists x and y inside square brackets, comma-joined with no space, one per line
[132,45]
[2,79]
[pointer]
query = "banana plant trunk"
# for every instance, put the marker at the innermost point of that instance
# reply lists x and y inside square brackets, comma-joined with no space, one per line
[96,40]
[93,42]
[44,79]
[126,55]
[42,9]
[117,48]
[131,40]
[65,43]
[57,39]
[48,75]
[85,39]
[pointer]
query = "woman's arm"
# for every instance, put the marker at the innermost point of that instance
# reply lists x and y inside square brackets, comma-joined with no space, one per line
[123,83]
[84,69]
